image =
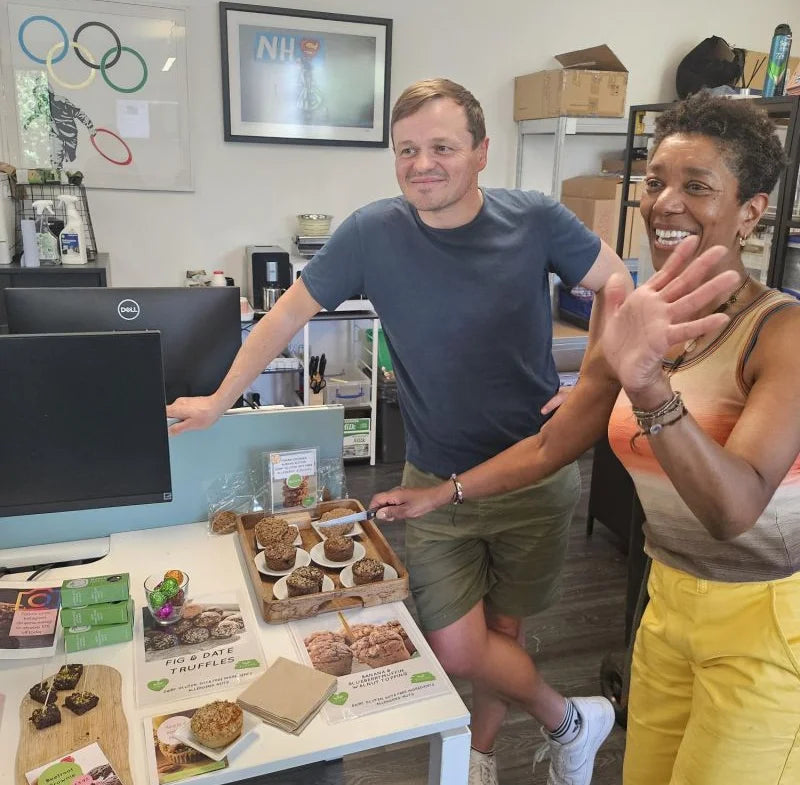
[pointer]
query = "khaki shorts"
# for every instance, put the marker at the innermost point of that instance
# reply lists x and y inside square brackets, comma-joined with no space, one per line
[507,550]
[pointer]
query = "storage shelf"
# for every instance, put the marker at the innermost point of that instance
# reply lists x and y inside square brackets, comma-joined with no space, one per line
[576,125]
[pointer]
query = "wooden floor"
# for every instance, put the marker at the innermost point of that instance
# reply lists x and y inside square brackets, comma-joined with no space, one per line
[567,642]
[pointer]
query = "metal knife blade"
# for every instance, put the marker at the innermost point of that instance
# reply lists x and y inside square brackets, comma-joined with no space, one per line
[366,515]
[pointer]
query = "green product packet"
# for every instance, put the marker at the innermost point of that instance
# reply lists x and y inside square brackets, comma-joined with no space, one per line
[93,615]
[78,592]
[86,637]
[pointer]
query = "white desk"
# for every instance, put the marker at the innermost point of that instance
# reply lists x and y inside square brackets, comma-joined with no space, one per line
[213,564]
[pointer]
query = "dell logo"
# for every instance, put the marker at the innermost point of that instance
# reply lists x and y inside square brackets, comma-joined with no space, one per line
[128,309]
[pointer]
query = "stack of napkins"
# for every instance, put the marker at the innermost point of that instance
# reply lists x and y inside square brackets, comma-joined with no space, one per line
[288,695]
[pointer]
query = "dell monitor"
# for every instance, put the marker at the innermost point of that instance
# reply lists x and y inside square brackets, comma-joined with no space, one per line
[200,326]
[83,422]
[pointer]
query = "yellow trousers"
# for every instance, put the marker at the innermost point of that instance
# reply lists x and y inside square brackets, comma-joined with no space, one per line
[715,684]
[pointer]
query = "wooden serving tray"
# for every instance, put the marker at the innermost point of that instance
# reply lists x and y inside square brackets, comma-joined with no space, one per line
[375,544]
[105,724]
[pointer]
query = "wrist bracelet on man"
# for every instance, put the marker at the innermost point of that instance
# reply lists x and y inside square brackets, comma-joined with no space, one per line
[458,493]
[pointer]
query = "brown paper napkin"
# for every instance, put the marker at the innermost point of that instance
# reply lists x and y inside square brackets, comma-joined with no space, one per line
[288,695]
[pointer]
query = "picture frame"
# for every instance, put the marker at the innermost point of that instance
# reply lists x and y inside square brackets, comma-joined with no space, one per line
[99,87]
[294,76]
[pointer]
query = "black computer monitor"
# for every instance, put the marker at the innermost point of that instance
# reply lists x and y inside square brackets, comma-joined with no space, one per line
[200,326]
[82,422]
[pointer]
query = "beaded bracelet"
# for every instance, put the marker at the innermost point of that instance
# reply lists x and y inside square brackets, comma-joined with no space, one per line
[653,422]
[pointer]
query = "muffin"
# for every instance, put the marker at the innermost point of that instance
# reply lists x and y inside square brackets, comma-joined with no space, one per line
[270,530]
[208,619]
[196,635]
[395,626]
[223,522]
[360,631]
[304,580]
[342,528]
[279,556]
[331,656]
[178,752]
[379,648]
[322,637]
[217,724]
[339,548]
[367,570]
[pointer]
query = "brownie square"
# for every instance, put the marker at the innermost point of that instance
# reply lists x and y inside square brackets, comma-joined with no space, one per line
[39,692]
[68,677]
[46,716]
[81,702]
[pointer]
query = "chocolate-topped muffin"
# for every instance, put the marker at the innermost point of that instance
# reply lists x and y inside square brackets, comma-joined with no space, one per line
[338,548]
[279,556]
[367,570]
[304,580]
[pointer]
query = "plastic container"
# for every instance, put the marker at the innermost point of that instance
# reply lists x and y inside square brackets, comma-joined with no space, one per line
[218,279]
[350,388]
[314,224]
[72,240]
[384,358]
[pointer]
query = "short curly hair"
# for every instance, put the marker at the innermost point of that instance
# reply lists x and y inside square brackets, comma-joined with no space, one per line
[743,131]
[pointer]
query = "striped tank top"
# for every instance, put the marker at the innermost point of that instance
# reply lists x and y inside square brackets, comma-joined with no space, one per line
[714,391]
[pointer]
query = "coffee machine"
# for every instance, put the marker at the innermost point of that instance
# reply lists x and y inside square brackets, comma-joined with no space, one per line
[269,269]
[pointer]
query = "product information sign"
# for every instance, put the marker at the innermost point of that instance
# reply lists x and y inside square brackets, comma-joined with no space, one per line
[212,647]
[28,620]
[378,655]
[293,479]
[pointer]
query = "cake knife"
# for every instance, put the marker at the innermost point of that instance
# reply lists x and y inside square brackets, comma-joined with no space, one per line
[366,515]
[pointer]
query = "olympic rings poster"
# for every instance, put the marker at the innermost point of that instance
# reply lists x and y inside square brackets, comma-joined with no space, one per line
[101,87]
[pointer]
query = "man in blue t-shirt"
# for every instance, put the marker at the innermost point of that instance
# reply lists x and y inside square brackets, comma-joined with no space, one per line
[459,277]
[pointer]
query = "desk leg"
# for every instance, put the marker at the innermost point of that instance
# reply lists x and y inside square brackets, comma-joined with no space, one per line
[449,760]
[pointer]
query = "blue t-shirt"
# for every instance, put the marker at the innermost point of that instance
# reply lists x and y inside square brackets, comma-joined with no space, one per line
[466,314]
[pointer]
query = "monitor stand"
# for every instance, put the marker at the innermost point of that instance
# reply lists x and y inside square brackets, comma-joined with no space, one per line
[54,553]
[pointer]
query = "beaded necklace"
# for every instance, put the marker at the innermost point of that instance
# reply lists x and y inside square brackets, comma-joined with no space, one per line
[691,345]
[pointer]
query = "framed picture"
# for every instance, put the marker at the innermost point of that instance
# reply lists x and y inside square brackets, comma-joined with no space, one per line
[99,87]
[304,77]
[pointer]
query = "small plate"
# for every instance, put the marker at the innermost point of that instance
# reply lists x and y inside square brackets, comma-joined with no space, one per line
[281,592]
[298,541]
[320,530]
[301,560]
[318,555]
[249,723]
[346,575]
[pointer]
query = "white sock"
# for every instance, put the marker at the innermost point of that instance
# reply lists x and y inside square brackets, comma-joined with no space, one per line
[570,726]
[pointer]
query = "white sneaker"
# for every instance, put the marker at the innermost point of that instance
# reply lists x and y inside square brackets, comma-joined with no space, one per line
[572,764]
[482,768]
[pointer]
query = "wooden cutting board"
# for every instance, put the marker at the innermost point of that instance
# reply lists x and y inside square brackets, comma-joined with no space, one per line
[105,724]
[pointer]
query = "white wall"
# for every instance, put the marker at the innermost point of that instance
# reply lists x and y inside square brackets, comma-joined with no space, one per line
[250,193]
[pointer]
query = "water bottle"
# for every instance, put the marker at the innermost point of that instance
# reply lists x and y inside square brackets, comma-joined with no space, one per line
[777,61]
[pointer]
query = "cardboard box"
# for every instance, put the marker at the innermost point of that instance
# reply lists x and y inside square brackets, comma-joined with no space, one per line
[90,591]
[753,74]
[102,613]
[595,200]
[793,82]
[616,165]
[592,82]
[88,637]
